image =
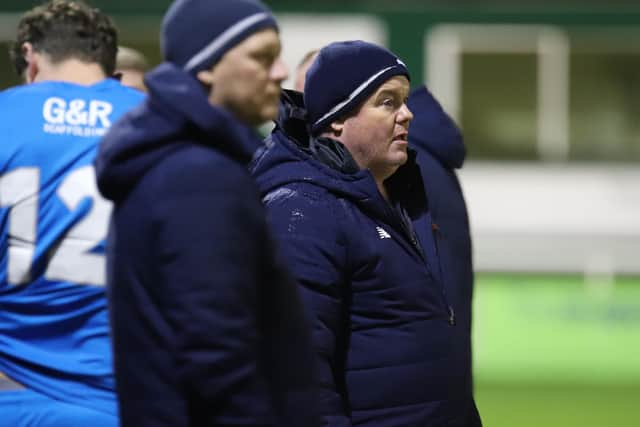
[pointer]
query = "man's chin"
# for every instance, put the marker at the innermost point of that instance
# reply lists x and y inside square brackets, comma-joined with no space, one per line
[401,157]
[269,112]
[400,162]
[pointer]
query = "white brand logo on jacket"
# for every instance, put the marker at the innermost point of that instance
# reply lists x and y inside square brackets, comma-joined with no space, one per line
[382,233]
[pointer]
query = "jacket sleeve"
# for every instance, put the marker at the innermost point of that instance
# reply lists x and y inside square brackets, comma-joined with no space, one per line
[210,228]
[306,230]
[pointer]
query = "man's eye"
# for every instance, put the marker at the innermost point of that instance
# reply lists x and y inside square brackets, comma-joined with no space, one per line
[265,60]
[389,102]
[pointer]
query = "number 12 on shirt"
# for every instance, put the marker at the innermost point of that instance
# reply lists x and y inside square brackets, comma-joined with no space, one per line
[68,240]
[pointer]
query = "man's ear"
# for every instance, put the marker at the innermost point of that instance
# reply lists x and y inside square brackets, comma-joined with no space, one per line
[205,77]
[336,127]
[32,58]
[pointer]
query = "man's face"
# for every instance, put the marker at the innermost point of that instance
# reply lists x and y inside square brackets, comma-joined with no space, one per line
[301,72]
[246,81]
[376,135]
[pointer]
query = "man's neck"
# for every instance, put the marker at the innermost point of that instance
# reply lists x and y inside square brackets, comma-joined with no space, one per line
[382,189]
[71,70]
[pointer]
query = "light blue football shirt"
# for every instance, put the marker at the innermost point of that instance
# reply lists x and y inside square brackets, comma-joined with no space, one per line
[54,335]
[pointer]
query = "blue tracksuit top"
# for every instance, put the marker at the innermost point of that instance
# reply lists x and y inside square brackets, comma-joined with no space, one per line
[207,326]
[441,151]
[384,334]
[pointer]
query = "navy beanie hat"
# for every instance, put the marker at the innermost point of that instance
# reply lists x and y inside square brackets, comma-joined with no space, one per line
[196,33]
[342,76]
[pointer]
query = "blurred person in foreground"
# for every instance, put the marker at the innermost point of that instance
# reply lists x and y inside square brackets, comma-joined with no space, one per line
[441,150]
[349,209]
[130,67]
[54,336]
[208,329]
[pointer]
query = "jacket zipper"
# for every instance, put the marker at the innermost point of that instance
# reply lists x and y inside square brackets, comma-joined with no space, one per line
[408,231]
[435,232]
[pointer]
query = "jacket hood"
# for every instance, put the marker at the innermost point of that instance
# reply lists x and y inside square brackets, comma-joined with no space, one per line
[290,155]
[433,130]
[323,162]
[292,117]
[176,110]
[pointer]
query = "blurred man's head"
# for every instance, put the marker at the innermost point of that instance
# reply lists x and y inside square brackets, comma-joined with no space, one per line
[303,67]
[365,108]
[131,66]
[63,30]
[232,47]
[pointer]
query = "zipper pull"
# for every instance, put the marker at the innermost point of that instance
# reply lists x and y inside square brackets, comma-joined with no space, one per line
[452,316]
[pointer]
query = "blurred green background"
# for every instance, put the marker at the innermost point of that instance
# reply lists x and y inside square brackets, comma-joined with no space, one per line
[557,350]
[535,83]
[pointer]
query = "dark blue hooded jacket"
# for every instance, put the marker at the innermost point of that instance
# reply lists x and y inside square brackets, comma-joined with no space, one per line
[441,150]
[207,327]
[370,277]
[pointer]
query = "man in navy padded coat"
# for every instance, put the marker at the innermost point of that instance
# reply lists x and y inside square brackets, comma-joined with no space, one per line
[207,327]
[349,209]
[441,151]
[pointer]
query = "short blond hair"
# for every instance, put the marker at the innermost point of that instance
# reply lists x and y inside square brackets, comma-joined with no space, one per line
[130,59]
[302,68]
